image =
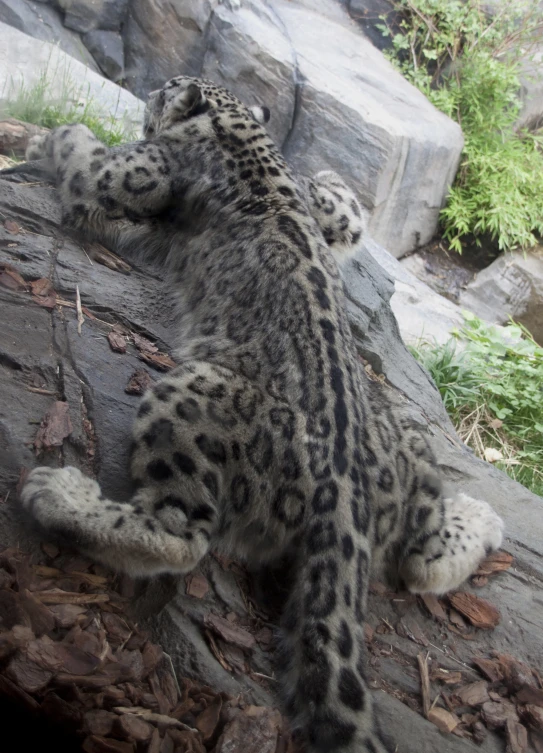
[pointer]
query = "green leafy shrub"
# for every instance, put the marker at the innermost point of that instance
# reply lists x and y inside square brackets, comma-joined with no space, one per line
[467,63]
[492,388]
[37,104]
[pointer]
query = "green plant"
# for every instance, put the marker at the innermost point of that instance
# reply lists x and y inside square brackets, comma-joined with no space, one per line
[38,104]
[492,388]
[468,63]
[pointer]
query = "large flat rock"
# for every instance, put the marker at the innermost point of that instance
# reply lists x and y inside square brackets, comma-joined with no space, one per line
[43,358]
[26,61]
[357,115]
[336,102]
[41,21]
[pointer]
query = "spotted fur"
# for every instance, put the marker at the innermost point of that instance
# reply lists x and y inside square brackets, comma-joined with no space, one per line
[267,438]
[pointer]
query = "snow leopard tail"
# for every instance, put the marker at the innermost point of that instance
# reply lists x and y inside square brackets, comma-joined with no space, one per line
[322,656]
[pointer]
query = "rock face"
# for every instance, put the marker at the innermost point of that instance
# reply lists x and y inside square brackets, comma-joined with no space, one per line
[512,286]
[43,22]
[106,47]
[421,313]
[86,15]
[24,61]
[164,39]
[336,102]
[44,359]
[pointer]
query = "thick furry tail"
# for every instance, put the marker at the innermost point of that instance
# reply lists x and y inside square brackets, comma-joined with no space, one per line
[322,656]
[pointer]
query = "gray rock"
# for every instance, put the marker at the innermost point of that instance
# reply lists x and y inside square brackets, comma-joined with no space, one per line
[43,22]
[24,61]
[336,102]
[421,313]
[248,51]
[531,115]
[43,350]
[367,14]
[106,47]
[163,39]
[86,15]
[355,114]
[512,286]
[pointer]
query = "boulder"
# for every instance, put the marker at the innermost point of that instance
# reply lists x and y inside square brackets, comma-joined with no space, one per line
[336,102]
[43,22]
[422,314]
[367,14]
[162,39]
[512,286]
[86,15]
[355,114]
[25,62]
[43,358]
[248,51]
[106,47]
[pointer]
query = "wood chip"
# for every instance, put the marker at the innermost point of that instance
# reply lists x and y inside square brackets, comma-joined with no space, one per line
[516,674]
[434,606]
[42,620]
[496,713]
[474,694]
[27,675]
[43,293]
[143,344]
[255,730]
[160,361]
[490,668]
[57,596]
[60,656]
[55,427]
[98,744]
[196,585]
[496,562]
[139,382]
[457,619]
[517,737]
[80,317]
[443,719]
[51,550]
[478,611]
[408,627]
[207,721]
[264,637]
[425,683]
[117,342]
[11,279]
[99,722]
[151,716]
[533,696]
[12,227]
[230,633]
[447,676]
[133,727]
[533,716]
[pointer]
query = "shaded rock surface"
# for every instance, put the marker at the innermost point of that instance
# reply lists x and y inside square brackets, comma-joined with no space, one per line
[43,359]
[512,286]
[24,61]
[336,102]
[107,49]
[86,15]
[43,22]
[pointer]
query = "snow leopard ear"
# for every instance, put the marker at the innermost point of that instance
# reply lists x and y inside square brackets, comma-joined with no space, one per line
[192,101]
[260,114]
